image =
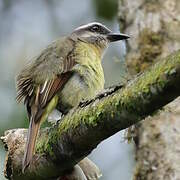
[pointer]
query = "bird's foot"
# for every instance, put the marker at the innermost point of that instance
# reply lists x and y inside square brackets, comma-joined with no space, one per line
[54,117]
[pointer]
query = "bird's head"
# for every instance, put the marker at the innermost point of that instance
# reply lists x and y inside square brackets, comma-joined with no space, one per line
[97,34]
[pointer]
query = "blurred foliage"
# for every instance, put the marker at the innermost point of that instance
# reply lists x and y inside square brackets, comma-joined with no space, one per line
[106,9]
[18,120]
[6,4]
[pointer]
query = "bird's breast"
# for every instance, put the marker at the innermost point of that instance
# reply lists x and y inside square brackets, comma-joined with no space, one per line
[87,80]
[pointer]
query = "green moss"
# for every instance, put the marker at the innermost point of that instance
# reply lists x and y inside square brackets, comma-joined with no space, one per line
[150,44]
[44,143]
[128,100]
[152,5]
[150,48]
[154,76]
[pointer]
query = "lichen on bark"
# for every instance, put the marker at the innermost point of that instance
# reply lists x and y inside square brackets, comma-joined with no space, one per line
[155,27]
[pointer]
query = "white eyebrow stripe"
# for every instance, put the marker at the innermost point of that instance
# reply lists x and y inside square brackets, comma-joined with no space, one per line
[89,25]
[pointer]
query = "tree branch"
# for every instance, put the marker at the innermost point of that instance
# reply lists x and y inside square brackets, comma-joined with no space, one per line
[60,147]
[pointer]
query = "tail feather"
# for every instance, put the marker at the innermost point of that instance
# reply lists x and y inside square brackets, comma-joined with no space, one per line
[30,144]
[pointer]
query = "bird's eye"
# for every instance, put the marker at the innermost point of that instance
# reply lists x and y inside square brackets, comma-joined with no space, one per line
[95,28]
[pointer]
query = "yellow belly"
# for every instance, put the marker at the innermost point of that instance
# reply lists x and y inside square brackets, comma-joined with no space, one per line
[87,80]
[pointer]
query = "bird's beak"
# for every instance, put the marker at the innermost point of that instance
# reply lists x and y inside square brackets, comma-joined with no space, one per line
[117,36]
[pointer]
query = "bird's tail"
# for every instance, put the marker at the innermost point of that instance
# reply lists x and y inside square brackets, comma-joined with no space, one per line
[30,143]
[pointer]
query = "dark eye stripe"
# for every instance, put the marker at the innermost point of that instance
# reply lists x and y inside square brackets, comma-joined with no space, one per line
[95,28]
[98,29]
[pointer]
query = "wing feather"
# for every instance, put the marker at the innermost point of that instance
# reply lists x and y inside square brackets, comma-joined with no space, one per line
[38,83]
[42,79]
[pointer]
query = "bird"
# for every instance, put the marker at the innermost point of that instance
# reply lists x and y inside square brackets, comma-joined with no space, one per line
[66,72]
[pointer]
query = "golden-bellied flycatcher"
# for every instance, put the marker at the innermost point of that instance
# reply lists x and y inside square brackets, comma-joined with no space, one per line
[68,71]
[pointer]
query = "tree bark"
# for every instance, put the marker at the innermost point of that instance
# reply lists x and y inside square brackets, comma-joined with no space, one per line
[62,146]
[155,30]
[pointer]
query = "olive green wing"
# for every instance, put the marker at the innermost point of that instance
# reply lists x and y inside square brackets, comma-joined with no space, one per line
[40,80]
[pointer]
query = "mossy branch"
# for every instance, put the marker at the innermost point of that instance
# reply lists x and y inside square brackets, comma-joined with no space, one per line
[61,147]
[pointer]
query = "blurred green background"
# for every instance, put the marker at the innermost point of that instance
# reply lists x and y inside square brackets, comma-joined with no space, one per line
[26,27]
